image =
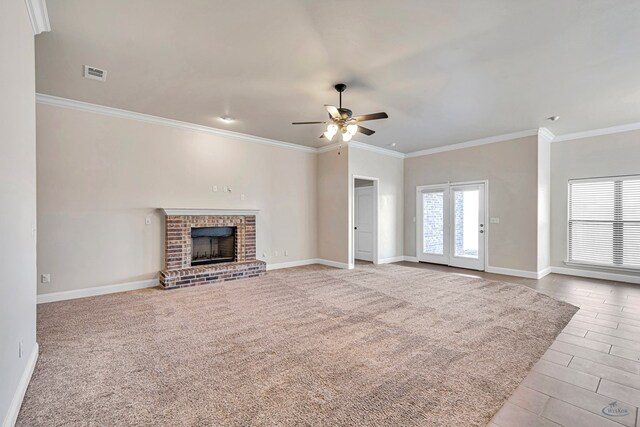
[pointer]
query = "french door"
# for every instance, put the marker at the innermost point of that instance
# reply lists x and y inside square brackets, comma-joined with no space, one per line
[451,227]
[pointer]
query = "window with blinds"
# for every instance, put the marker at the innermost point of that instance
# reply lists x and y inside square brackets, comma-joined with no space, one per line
[604,222]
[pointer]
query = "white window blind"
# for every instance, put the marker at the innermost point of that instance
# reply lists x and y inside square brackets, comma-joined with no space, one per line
[604,222]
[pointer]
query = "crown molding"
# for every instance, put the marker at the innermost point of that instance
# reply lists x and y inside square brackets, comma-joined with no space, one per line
[375,149]
[474,143]
[597,132]
[546,134]
[38,15]
[116,112]
[329,147]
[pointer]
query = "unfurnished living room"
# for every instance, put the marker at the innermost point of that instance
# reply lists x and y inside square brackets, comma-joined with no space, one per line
[320,213]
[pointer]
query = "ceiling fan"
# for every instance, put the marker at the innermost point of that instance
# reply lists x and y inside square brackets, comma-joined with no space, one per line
[343,121]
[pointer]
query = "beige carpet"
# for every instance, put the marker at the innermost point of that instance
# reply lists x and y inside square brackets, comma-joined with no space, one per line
[310,346]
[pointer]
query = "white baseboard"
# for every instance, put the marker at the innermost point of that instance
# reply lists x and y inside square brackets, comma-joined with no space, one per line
[291,264]
[544,272]
[18,396]
[335,264]
[497,270]
[391,259]
[310,261]
[616,277]
[98,290]
[512,272]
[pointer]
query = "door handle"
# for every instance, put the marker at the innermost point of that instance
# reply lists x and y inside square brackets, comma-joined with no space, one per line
[355,228]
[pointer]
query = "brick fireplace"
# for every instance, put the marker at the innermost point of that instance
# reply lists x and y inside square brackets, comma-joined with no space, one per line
[207,246]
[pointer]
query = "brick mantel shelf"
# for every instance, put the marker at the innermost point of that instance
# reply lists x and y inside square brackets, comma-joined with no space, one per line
[208,212]
[178,270]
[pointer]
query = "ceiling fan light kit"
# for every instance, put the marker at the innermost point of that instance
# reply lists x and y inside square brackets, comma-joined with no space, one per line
[342,120]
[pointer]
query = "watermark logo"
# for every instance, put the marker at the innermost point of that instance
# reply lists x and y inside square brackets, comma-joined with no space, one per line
[613,410]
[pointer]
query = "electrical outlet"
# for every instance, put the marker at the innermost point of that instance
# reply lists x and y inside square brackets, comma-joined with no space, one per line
[45,278]
[242,196]
[147,220]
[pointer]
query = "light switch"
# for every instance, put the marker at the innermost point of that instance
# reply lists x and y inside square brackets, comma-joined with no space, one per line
[147,220]
[214,188]
[494,220]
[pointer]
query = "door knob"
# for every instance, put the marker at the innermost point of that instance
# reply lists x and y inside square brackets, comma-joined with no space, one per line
[355,228]
[481,231]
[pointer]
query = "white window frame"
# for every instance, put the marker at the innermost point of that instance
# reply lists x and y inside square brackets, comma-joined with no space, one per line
[585,264]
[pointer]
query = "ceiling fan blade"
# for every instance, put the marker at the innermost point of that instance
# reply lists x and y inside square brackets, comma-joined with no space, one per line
[333,112]
[307,123]
[374,116]
[365,130]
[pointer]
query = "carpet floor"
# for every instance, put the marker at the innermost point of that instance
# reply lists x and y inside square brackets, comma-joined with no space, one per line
[309,346]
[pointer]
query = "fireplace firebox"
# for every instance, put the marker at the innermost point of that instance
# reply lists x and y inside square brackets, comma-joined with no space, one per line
[212,245]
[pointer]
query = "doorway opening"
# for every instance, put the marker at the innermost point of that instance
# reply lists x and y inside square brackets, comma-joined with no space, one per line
[451,224]
[364,231]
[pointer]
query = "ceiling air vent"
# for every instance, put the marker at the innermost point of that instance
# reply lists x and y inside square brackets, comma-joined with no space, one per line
[95,73]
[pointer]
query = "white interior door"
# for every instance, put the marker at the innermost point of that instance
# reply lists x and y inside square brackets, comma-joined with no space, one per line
[451,225]
[467,230]
[433,223]
[363,224]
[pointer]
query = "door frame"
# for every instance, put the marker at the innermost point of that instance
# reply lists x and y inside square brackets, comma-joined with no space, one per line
[487,227]
[376,226]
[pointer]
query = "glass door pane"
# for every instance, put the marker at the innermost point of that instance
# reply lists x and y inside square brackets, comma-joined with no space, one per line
[433,222]
[466,204]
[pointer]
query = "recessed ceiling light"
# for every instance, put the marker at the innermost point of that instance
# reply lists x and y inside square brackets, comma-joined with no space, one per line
[393,144]
[553,118]
[226,119]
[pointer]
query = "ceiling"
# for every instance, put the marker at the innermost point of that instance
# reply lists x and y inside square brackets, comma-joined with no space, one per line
[445,71]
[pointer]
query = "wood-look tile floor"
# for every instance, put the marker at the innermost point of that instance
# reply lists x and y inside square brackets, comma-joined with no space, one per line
[590,376]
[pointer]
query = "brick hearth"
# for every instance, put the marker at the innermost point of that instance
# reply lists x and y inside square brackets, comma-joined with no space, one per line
[178,270]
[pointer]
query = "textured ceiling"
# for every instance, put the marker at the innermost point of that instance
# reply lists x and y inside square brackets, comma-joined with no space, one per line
[445,71]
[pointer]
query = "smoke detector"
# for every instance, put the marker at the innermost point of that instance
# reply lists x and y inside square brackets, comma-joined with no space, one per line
[95,73]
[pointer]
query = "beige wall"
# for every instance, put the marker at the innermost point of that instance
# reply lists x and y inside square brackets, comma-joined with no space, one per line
[99,177]
[608,155]
[390,173]
[511,168]
[17,199]
[333,206]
